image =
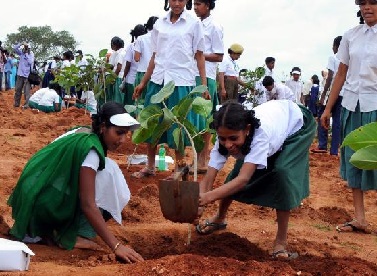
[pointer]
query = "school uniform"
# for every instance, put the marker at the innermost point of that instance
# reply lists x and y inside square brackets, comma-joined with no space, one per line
[280,92]
[36,97]
[91,101]
[143,46]
[313,99]
[279,149]
[175,46]
[112,91]
[358,50]
[213,42]
[131,76]
[297,87]
[333,64]
[48,100]
[231,71]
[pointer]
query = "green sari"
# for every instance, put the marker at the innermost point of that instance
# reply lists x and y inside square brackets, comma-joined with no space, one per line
[45,201]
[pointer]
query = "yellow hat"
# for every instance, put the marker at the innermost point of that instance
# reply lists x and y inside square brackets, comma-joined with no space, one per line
[236,48]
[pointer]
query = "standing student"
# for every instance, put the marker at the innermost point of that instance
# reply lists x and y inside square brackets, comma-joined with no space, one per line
[313,96]
[213,54]
[229,74]
[357,74]
[49,71]
[24,67]
[130,65]
[116,59]
[178,46]
[322,133]
[143,54]
[271,145]
[295,84]
[58,202]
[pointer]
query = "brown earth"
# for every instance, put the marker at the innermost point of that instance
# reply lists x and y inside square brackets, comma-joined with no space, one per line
[242,249]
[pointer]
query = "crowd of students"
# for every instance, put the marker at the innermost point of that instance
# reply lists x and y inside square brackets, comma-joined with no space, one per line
[270,142]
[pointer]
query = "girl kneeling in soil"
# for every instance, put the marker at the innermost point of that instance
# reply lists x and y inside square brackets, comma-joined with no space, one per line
[50,100]
[55,197]
[271,144]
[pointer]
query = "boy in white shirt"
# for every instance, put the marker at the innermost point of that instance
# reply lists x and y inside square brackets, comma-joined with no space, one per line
[296,85]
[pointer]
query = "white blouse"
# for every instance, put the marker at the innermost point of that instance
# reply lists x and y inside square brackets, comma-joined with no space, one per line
[358,50]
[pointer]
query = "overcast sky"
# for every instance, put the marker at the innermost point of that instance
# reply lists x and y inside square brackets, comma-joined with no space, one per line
[295,32]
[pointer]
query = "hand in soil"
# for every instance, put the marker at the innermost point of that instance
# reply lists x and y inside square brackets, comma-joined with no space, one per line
[127,254]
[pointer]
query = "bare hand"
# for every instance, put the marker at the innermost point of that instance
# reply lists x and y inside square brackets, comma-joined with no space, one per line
[325,119]
[127,254]
[137,91]
[206,95]
[205,198]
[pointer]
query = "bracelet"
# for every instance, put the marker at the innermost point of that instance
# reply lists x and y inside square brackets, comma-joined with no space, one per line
[116,246]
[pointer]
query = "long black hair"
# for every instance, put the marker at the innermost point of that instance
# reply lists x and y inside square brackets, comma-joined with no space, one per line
[138,31]
[188,5]
[235,116]
[103,115]
[150,23]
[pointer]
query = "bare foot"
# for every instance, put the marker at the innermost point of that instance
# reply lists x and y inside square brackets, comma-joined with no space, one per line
[83,243]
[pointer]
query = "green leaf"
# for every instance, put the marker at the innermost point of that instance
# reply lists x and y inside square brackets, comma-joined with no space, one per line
[200,89]
[202,106]
[130,108]
[164,93]
[141,134]
[178,140]
[365,158]
[149,117]
[102,53]
[183,107]
[163,126]
[361,137]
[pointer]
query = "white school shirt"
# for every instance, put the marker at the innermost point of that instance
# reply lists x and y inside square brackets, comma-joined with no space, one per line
[175,46]
[281,92]
[49,98]
[333,65]
[65,63]
[143,46]
[37,96]
[358,50]
[229,67]
[297,87]
[279,120]
[213,42]
[53,65]
[92,102]
[130,53]
[118,57]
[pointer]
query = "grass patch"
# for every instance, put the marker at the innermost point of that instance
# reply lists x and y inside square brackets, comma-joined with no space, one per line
[351,245]
[322,227]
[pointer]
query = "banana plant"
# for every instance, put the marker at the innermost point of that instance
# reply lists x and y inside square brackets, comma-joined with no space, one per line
[364,142]
[157,118]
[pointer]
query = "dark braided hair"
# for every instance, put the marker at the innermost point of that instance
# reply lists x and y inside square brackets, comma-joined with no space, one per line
[235,116]
[138,31]
[150,23]
[361,17]
[103,115]
[188,5]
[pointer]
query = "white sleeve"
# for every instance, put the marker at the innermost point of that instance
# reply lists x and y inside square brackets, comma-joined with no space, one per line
[343,52]
[91,160]
[259,149]
[216,160]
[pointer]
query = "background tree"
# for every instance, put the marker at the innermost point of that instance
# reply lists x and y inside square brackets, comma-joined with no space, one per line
[44,41]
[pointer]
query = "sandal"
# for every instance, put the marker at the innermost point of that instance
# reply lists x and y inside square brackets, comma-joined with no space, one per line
[144,172]
[210,226]
[284,254]
[352,226]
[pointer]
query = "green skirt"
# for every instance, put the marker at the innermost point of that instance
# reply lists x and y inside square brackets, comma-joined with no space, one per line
[129,91]
[212,89]
[285,181]
[356,178]
[139,77]
[33,105]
